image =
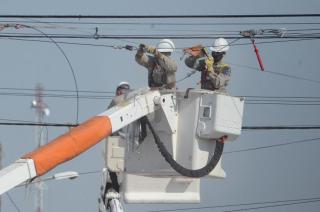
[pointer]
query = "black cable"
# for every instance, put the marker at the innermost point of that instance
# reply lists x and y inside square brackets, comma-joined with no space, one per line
[240,204]
[277,73]
[69,63]
[58,95]
[283,127]
[282,97]
[57,90]
[149,37]
[37,124]
[248,97]
[13,202]
[272,206]
[63,42]
[161,16]
[272,146]
[280,127]
[164,23]
[282,104]
[286,101]
[109,46]
[182,170]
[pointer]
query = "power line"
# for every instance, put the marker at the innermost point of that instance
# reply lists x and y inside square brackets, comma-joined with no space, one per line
[113,46]
[283,127]
[161,16]
[272,146]
[57,90]
[277,73]
[282,104]
[164,23]
[13,202]
[104,95]
[69,64]
[242,204]
[157,36]
[248,97]
[37,124]
[276,205]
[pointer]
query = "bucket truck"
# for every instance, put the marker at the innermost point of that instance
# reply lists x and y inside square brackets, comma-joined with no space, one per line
[184,138]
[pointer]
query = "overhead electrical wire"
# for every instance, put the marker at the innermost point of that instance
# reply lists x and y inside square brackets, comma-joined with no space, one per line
[104,95]
[148,37]
[293,102]
[272,146]
[273,206]
[291,15]
[275,127]
[250,67]
[57,90]
[241,204]
[13,202]
[69,63]
[263,147]
[60,49]
[113,46]
[276,73]
[80,22]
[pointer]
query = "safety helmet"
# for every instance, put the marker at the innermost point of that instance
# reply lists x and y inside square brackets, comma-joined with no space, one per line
[220,45]
[123,85]
[165,45]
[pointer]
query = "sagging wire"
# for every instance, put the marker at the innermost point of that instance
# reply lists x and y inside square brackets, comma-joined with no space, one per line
[18,26]
[270,204]
[13,202]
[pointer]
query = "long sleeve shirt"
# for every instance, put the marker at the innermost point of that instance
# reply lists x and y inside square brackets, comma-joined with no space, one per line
[161,68]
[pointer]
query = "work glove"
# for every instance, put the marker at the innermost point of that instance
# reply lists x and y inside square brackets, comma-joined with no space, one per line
[150,49]
[209,64]
[142,47]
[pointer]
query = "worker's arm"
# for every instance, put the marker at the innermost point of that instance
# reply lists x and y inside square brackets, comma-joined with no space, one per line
[167,63]
[222,78]
[142,58]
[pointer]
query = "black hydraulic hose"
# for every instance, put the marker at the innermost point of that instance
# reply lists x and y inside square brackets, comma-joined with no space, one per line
[182,170]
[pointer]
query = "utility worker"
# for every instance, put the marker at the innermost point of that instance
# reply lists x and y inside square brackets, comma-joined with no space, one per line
[215,74]
[122,88]
[138,128]
[161,68]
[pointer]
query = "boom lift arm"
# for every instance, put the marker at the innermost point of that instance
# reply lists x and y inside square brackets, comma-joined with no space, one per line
[78,140]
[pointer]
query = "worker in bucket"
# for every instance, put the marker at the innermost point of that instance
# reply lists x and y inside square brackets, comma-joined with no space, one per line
[135,132]
[161,67]
[215,74]
[122,89]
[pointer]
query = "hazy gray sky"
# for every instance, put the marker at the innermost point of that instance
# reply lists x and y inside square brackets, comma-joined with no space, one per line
[272,174]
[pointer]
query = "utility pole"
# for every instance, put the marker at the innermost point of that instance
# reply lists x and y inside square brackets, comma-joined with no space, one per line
[41,110]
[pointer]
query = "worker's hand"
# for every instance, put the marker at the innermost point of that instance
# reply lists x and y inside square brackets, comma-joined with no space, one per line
[209,64]
[142,47]
[150,49]
[213,75]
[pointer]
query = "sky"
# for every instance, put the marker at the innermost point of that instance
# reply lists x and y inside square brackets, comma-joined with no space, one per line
[285,172]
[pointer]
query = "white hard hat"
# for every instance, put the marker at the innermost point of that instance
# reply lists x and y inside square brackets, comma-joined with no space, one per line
[165,45]
[123,83]
[220,45]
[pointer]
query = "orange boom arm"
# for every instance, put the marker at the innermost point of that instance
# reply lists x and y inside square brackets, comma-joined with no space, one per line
[71,144]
